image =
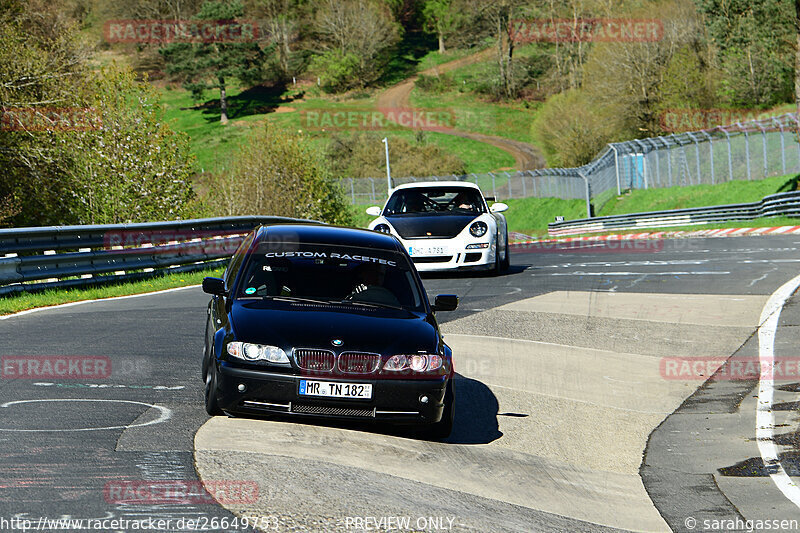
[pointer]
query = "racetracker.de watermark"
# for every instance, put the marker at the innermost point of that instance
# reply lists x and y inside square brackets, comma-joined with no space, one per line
[394,118]
[605,246]
[586,30]
[33,119]
[178,492]
[180,31]
[733,369]
[173,241]
[55,367]
[683,120]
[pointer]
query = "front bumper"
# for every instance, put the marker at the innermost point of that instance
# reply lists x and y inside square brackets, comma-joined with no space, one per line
[393,400]
[457,257]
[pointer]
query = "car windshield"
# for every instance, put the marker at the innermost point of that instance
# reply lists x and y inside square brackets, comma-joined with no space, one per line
[361,277]
[455,200]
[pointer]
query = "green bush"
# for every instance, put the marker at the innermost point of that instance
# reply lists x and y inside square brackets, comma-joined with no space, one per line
[435,84]
[278,173]
[337,70]
[362,156]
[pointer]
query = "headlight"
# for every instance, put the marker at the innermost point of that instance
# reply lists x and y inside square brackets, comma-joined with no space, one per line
[478,229]
[383,228]
[416,363]
[257,352]
[396,362]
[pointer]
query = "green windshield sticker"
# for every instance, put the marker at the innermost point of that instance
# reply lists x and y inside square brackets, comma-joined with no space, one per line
[250,290]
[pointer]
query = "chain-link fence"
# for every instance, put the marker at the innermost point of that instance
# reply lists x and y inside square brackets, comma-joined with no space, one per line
[743,151]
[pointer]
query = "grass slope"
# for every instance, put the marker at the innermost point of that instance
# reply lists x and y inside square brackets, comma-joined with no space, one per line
[20,302]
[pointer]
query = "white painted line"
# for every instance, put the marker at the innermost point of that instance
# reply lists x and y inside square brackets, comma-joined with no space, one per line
[70,304]
[164,415]
[765,420]
[637,274]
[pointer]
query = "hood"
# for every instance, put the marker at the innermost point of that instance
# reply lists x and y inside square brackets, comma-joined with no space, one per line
[444,226]
[289,325]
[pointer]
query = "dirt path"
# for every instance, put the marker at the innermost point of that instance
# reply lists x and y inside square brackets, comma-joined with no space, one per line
[527,157]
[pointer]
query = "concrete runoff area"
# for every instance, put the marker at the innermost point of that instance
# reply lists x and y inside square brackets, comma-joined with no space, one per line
[547,422]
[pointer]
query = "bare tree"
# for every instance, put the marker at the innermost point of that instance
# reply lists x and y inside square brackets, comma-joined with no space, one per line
[362,28]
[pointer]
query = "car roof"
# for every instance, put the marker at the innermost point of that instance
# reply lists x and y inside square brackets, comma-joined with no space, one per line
[425,184]
[324,234]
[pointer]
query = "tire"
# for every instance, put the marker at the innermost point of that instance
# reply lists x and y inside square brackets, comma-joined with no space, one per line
[442,429]
[504,266]
[212,407]
[206,351]
[497,268]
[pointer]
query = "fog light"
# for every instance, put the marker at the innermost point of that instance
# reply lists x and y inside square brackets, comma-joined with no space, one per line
[423,399]
[242,387]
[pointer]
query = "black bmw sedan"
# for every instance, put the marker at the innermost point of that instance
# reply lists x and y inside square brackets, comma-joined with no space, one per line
[320,321]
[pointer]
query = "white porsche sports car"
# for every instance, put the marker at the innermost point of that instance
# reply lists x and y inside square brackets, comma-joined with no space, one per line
[446,225]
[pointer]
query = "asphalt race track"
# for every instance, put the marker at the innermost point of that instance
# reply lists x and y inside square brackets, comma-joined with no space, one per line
[579,408]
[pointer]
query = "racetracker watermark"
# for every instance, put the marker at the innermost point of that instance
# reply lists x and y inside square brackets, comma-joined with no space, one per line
[683,120]
[605,246]
[394,118]
[733,369]
[229,492]
[50,119]
[174,241]
[180,31]
[586,30]
[55,367]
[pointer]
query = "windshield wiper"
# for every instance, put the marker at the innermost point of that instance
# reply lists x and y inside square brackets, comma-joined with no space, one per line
[370,304]
[300,299]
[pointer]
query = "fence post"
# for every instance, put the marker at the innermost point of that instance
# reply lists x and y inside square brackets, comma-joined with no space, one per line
[697,155]
[730,156]
[616,168]
[746,148]
[374,197]
[353,190]
[797,119]
[588,194]
[764,146]
[710,153]
[657,157]
[783,145]
[644,160]
[494,185]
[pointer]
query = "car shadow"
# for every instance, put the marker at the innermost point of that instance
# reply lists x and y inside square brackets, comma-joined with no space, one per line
[476,413]
[475,421]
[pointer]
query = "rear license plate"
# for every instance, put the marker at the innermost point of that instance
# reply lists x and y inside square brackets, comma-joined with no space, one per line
[330,389]
[421,251]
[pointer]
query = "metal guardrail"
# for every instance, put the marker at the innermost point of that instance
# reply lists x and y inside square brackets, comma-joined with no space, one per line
[69,256]
[786,204]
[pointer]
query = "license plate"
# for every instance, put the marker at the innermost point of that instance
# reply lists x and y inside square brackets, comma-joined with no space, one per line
[421,251]
[330,389]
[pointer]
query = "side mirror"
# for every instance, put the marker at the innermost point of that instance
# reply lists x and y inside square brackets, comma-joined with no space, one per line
[374,211]
[215,286]
[445,302]
[499,207]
